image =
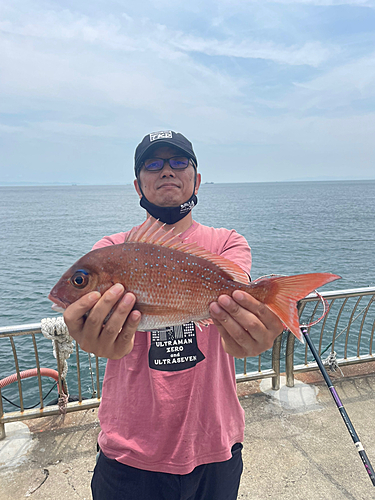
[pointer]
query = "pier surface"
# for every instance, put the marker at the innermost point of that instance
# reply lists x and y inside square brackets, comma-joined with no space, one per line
[296,444]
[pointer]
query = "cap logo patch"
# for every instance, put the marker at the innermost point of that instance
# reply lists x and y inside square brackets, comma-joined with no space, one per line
[161,135]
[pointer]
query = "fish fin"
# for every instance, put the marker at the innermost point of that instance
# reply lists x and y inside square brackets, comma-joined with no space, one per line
[153,232]
[283,292]
[204,322]
[136,233]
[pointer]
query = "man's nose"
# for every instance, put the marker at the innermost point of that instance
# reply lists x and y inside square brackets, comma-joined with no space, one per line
[167,170]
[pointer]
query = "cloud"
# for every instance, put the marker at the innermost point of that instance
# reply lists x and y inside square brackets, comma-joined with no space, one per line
[339,89]
[316,3]
[64,61]
[148,37]
[311,53]
[329,3]
[9,129]
[253,75]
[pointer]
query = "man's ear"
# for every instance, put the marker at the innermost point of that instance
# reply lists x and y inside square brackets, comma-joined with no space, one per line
[137,188]
[197,183]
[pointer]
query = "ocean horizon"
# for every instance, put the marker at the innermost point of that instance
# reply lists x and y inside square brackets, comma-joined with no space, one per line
[72,183]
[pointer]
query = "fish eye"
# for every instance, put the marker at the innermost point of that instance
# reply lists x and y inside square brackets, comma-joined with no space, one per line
[79,279]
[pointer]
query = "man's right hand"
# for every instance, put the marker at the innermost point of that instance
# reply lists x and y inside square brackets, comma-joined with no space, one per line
[115,338]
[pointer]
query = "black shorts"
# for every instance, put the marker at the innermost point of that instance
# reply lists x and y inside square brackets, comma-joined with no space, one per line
[217,481]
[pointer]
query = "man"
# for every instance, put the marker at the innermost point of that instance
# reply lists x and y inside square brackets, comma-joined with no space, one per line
[171,422]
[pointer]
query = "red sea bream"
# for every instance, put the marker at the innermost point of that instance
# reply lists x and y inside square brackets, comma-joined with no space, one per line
[175,282]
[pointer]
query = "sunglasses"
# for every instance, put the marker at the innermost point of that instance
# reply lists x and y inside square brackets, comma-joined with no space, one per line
[176,163]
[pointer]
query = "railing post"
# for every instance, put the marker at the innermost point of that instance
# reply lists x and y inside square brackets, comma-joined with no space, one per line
[2,431]
[289,353]
[289,360]
[276,362]
[2,426]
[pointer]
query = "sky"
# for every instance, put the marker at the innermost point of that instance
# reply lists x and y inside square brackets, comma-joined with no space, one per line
[266,91]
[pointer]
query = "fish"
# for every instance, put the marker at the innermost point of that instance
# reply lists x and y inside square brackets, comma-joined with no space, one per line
[175,282]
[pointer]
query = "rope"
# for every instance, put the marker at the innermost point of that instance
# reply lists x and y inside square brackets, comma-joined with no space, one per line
[56,330]
[63,403]
[331,361]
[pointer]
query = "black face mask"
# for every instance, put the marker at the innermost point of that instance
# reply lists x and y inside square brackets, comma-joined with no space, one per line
[169,215]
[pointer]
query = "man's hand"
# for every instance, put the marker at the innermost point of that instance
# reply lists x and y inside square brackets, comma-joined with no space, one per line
[115,338]
[247,327]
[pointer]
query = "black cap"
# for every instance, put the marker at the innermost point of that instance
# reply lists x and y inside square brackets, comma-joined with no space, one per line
[158,139]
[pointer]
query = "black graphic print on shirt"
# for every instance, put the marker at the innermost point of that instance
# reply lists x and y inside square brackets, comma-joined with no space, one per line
[174,348]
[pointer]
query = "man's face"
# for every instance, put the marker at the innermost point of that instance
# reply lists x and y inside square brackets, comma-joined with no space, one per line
[167,187]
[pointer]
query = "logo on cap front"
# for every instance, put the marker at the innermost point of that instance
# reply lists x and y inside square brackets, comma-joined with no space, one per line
[161,135]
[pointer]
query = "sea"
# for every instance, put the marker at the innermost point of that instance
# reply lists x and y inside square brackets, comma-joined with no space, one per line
[292,227]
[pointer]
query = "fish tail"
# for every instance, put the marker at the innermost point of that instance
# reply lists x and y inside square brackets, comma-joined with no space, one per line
[283,292]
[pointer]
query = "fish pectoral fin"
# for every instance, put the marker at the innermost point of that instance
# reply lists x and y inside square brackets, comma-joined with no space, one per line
[204,322]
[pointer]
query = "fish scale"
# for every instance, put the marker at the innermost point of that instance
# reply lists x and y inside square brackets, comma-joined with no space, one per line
[182,281]
[175,282]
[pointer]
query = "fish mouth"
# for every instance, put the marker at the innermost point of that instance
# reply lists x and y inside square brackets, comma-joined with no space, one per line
[58,304]
[57,308]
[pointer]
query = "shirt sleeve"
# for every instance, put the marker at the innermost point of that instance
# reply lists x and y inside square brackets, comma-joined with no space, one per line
[237,249]
[114,239]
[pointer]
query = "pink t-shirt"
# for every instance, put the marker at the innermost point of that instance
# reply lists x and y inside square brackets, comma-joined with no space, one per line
[171,404]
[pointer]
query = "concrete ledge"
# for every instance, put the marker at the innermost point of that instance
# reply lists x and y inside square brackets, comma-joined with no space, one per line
[15,447]
[296,446]
[291,454]
[60,463]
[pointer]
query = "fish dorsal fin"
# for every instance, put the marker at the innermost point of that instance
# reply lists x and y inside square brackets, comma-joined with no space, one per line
[153,232]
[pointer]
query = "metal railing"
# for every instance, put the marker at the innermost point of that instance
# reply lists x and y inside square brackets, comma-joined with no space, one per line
[347,326]
[33,331]
[348,314]
[263,366]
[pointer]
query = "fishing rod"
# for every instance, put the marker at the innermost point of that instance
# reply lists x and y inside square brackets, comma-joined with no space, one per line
[340,406]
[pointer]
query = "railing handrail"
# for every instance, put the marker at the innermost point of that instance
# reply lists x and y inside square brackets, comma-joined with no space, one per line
[337,294]
[26,328]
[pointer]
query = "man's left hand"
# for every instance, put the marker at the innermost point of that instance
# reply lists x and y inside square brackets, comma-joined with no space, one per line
[247,327]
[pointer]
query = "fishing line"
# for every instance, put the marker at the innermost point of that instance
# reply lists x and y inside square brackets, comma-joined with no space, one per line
[346,328]
[325,311]
[322,299]
[92,377]
[285,328]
